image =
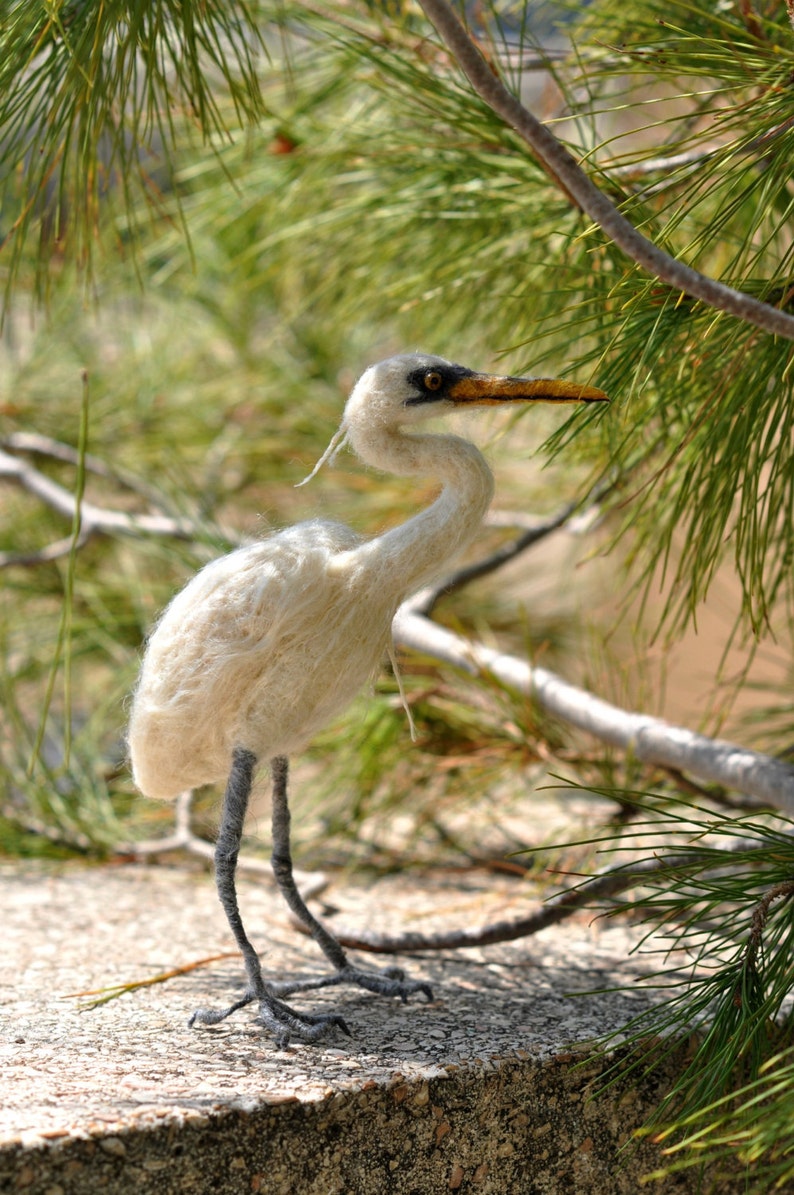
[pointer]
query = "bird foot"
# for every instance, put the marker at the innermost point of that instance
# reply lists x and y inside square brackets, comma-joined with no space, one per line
[283,1021]
[389,982]
[286,1022]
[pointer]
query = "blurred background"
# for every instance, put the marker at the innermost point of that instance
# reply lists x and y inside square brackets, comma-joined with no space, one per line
[210,227]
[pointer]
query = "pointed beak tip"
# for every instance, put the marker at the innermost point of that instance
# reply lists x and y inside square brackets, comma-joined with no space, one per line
[593,394]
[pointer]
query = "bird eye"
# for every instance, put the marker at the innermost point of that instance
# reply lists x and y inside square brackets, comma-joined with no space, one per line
[433,380]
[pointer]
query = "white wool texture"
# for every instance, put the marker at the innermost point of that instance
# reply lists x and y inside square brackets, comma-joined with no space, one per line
[259,650]
[266,645]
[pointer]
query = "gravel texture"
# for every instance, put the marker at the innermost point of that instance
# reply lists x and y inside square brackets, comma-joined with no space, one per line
[485,1089]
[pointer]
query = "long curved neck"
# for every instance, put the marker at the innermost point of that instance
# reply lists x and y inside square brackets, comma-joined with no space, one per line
[410,555]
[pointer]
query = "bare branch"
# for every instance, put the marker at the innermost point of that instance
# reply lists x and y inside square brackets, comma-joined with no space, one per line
[610,882]
[648,739]
[53,551]
[95,520]
[636,170]
[563,167]
[692,157]
[37,444]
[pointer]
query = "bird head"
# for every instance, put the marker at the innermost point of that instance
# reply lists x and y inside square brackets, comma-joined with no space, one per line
[415,386]
[411,387]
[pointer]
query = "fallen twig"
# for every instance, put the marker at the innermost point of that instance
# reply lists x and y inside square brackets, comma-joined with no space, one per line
[559,907]
[610,882]
[114,990]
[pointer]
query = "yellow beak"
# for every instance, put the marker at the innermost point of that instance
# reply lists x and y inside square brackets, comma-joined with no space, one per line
[482,390]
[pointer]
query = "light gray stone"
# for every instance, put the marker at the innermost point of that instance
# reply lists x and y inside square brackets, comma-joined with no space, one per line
[486,1090]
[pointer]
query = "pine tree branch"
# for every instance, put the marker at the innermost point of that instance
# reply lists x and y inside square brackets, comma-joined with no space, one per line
[647,739]
[570,177]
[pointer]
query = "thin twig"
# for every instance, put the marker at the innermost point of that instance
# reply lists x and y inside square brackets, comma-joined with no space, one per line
[37,444]
[113,991]
[693,157]
[182,838]
[664,165]
[570,177]
[50,552]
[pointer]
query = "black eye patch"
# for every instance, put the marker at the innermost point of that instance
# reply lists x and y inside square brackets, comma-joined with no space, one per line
[432,382]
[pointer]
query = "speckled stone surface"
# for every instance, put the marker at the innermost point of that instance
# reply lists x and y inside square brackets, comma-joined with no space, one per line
[485,1089]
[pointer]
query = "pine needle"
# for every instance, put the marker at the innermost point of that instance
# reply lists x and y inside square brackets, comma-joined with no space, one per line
[113,991]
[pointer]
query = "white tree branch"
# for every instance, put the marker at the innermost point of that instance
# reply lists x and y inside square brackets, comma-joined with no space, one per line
[648,739]
[94,520]
[563,167]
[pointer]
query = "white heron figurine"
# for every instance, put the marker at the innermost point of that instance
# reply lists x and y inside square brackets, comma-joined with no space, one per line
[265,645]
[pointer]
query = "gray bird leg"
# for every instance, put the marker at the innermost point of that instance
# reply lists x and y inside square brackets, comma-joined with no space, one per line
[277,1016]
[389,982]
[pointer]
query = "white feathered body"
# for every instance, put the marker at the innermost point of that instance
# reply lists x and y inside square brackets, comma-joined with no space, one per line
[264,646]
[260,650]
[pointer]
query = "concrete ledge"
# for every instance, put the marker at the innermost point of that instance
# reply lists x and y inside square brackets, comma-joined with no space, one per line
[484,1090]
